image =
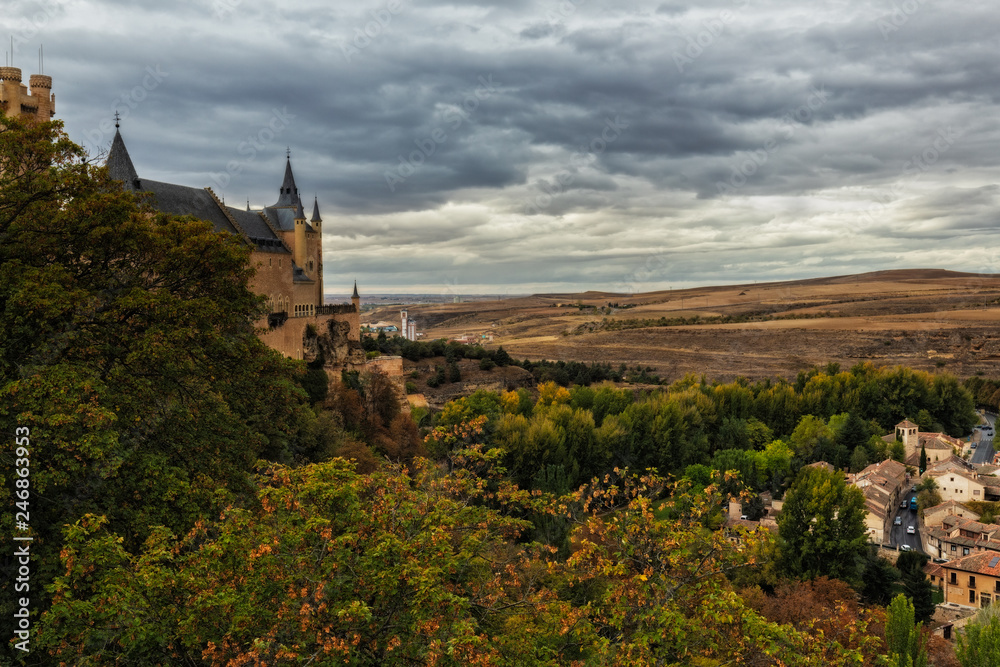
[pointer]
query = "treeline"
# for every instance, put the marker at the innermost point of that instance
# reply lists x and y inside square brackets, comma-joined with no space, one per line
[607,324]
[563,373]
[767,430]
[985,392]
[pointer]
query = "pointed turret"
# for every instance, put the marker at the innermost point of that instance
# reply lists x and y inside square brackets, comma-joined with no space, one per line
[288,196]
[299,249]
[356,298]
[120,165]
[316,217]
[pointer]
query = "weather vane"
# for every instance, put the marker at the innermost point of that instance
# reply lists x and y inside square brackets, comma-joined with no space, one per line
[117,118]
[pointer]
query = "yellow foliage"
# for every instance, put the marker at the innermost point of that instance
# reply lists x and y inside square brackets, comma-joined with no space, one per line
[549,393]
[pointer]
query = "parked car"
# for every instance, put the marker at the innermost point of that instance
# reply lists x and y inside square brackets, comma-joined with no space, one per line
[898,521]
[910,530]
[905,547]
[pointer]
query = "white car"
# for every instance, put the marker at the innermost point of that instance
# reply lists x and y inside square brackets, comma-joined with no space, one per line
[905,547]
[910,530]
[898,521]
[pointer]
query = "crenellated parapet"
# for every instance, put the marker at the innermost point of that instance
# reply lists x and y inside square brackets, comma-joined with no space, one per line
[13,74]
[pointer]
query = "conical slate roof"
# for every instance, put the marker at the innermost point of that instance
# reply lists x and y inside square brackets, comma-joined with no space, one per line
[120,165]
[289,194]
[316,217]
[299,213]
[355,295]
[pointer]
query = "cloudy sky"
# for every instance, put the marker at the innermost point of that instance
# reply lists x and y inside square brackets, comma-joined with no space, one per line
[559,145]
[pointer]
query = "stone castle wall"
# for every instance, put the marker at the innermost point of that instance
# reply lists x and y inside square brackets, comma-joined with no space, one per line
[16,99]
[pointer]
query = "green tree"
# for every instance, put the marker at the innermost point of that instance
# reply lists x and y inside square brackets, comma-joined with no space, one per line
[128,348]
[811,436]
[923,459]
[903,640]
[978,643]
[859,459]
[916,585]
[928,494]
[821,526]
[877,578]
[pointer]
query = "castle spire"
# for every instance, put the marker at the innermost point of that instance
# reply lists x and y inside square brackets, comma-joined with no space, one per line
[355,295]
[316,217]
[119,163]
[289,194]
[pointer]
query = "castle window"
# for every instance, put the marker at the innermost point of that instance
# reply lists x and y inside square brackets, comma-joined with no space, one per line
[269,261]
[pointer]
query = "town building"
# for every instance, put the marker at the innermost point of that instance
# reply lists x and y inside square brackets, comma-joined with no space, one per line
[938,446]
[883,485]
[972,581]
[961,485]
[934,517]
[958,536]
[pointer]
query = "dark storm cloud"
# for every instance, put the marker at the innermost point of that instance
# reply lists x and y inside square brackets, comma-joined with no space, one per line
[754,140]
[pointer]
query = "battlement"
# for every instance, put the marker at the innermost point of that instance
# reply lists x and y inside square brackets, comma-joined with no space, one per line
[14,74]
[16,99]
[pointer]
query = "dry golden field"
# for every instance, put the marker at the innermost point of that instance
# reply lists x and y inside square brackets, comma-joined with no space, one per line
[929,319]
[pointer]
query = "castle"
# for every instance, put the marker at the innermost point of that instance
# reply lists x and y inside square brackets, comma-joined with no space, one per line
[287,251]
[17,100]
[286,247]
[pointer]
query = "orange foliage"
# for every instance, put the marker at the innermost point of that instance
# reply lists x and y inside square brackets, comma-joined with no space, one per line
[824,605]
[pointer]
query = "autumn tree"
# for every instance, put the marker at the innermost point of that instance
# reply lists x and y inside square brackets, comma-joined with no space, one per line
[821,526]
[128,348]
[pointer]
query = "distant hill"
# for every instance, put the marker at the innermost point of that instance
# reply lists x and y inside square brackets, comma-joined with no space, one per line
[932,319]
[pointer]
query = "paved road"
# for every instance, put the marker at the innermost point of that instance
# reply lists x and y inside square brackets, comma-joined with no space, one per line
[984,451]
[898,535]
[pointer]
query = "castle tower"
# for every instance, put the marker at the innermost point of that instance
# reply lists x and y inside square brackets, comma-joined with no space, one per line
[356,298]
[317,225]
[299,249]
[16,99]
